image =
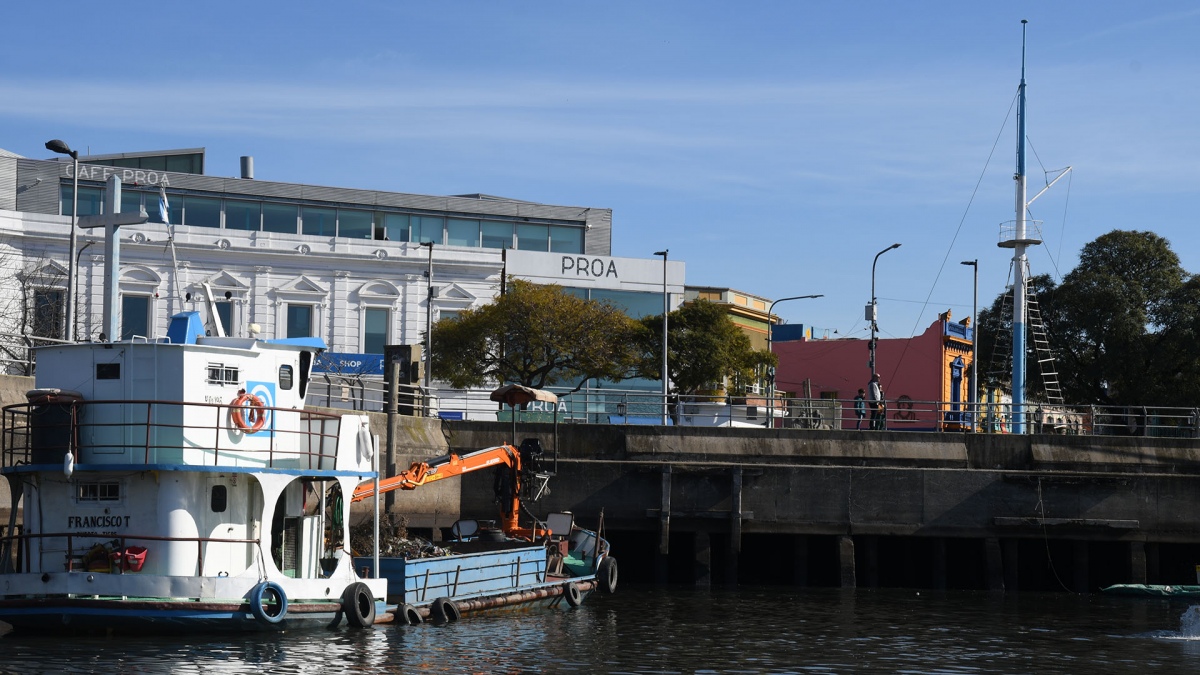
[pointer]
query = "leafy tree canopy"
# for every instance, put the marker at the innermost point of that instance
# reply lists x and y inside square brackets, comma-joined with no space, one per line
[704,347]
[537,336]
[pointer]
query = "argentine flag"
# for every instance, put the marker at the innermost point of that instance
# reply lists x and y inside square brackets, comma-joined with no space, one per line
[164,208]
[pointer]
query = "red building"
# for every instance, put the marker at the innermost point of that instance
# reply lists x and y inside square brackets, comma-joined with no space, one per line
[926,379]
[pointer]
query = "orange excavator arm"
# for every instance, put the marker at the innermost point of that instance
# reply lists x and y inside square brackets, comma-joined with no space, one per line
[439,468]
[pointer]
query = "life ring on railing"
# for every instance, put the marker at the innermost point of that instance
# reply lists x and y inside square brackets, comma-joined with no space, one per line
[359,605]
[270,614]
[255,412]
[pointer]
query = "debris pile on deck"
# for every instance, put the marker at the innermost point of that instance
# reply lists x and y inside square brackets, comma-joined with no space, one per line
[394,541]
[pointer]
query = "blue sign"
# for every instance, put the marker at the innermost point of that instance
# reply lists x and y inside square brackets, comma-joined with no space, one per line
[265,391]
[343,363]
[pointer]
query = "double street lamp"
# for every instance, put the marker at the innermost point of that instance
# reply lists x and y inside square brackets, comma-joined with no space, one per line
[666,311]
[974,399]
[770,331]
[872,309]
[69,304]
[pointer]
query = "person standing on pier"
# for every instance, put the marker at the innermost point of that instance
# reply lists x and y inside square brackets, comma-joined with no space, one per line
[875,397]
[860,408]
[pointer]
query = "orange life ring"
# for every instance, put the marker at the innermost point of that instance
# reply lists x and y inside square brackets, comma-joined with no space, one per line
[255,414]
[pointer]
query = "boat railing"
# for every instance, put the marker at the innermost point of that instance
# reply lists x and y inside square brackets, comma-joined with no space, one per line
[167,432]
[116,547]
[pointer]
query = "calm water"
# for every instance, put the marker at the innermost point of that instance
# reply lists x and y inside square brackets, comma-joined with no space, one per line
[673,630]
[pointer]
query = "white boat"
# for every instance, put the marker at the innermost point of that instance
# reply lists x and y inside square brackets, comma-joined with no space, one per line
[181,483]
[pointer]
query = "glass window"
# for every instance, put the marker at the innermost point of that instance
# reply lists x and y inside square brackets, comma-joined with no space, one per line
[533,238]
[299,321]
[354,224]
[319,222]
[91,201]
[155,163]
[285,377]
[375,330]
[47,313]
[135,316]
[497,235]
[242,215]
[566,239]
[462,232]
[279,218]
[633,303]
[220,499]
[131,201]
[225,311]
[391,226]
[182,163]
[426,228]
[201,212]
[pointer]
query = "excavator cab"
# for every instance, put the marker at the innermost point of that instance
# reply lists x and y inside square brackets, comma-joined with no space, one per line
[531,455]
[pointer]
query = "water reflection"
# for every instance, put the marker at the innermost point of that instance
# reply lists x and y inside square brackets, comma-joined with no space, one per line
[685,630]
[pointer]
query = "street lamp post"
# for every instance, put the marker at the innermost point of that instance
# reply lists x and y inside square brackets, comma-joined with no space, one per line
[428,325]
[974,343]
[69,304]
[872,309]
[666,311]
[770,330]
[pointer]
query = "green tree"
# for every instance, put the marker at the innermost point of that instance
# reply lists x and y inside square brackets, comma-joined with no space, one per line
[536,336]
[704,347]
[1122,325]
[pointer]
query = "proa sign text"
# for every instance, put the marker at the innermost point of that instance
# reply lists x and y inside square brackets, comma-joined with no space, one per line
[583,266]
[134,176]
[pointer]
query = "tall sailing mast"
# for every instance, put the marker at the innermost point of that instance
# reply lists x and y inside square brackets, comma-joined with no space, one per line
[1021,235]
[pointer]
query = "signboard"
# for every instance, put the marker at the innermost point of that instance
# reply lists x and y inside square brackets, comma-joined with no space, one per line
[345,363]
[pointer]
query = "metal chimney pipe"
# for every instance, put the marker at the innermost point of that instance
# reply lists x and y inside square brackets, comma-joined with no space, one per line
[247,167]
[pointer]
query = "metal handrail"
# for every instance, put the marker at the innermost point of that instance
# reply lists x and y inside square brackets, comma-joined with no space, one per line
[96,538]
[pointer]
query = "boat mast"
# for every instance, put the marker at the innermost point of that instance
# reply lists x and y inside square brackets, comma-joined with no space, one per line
[1020,262]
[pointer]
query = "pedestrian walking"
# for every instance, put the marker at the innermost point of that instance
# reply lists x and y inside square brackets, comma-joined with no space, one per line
[860,408]
[875,398]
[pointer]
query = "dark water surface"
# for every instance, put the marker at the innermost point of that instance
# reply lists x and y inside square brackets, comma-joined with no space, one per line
[685,630]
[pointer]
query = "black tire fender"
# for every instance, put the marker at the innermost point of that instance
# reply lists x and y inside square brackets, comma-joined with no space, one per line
[606,575]
[572,594]
[409,615]
[359,605]
[443,610]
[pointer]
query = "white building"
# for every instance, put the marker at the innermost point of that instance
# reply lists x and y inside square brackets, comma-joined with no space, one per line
[292,260]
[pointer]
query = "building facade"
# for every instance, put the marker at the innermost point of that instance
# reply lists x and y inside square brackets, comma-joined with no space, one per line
[288,260]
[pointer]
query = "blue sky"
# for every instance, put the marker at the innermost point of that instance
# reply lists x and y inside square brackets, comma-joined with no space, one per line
[774,147]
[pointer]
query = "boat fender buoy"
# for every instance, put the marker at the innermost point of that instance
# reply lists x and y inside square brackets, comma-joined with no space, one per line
[272,592]
[359,605]
[443,610]
[572,594]
[410,615]
[248,413]
[606,575]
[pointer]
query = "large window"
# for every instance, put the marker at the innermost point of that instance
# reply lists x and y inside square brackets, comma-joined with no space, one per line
[225,311]
[135,316]
[131,201]
[497,235]
[47,313]
[299,321]
[391,226]
[242,215]
[354,224]
[566,239]
[462,232]
[201,212]
[375,330]
[279,218]
[426,228]
[91,201]
[533,238]
[320,222]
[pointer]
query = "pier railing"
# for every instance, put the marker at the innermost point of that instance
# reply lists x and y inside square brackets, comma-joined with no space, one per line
[632,407]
